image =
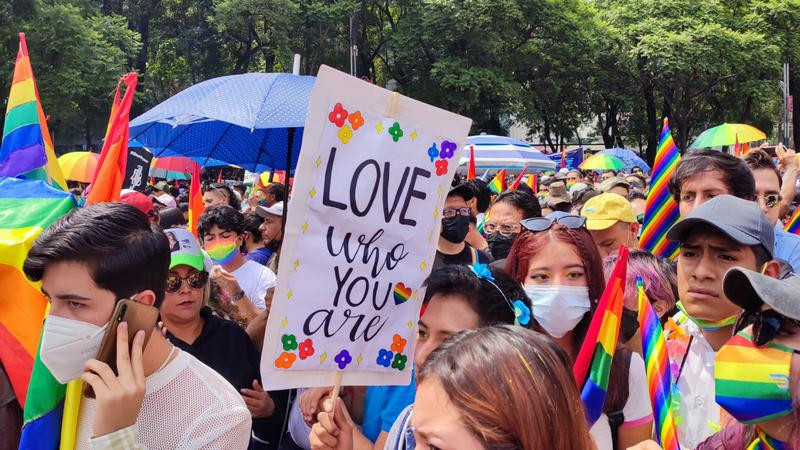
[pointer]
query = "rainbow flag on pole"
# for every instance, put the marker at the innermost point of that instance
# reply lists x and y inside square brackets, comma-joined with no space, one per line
[27,207]
[27,149]
[661,210]
[498,183]
[593,364]
[196,206]
[793,225]
[659,383]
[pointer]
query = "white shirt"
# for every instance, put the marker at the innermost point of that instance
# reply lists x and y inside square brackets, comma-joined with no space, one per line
[187,406]
[637,409]
[697,415]
[255,280]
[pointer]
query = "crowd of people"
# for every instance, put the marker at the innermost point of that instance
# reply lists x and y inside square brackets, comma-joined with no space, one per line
[516,281]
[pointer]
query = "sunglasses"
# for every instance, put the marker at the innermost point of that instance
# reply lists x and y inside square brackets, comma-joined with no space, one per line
[772,200]
[197,280]
[767,325]
[449,213]
[537,224]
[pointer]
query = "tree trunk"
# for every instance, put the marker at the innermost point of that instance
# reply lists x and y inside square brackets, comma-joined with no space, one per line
[87,133]
[794,89]
[652,123]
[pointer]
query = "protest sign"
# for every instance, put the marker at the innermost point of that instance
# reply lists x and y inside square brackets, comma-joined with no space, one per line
[138,168]
[363,222]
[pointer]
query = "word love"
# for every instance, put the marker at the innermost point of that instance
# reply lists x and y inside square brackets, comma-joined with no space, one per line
[362,195]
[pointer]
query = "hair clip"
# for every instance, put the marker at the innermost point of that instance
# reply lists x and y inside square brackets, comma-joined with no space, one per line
[482,271]
[522,313]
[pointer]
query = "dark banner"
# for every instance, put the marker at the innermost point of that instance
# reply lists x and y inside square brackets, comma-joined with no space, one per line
[138,168]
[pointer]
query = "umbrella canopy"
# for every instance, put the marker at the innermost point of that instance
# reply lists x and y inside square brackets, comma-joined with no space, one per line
[501,152]
[79,166]
[629,157]
[172,168]
[602,161]
[727,134]
[237,119]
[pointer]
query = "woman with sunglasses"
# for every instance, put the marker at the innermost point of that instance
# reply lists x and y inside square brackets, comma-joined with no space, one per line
[219,343]
[560,268]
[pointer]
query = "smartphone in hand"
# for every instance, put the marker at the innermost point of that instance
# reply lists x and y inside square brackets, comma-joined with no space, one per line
[138,316]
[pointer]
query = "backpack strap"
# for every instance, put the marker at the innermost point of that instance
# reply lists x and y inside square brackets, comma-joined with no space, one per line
[474,254]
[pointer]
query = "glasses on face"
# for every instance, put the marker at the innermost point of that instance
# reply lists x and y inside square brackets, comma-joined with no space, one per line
[197,280]
[502,228]
[449,213]
[772,200]
[767,325]
[537,224]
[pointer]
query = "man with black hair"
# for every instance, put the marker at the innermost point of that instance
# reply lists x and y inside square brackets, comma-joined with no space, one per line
[719,234]
[481,197]
[243,282]
[451,247]
[456,299]
[87,261]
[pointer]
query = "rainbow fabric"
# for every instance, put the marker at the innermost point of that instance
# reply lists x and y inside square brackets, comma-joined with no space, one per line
[766,442]
[750,375]
[196,206]
[661,209]
[654,348]
[593,364]
[793,226]
[222,252]
[498,183]
[27,149]
[27,207]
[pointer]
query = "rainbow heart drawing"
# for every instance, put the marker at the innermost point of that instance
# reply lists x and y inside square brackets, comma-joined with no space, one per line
[401,293]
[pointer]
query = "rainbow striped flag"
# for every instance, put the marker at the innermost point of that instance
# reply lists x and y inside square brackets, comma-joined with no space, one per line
[593,364]
[793,225]
[196,206]
[27,207]
[498,183]
[27,149]
[659,383]
[661,210]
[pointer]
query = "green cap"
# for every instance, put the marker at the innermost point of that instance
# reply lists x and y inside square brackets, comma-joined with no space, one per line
[185,250]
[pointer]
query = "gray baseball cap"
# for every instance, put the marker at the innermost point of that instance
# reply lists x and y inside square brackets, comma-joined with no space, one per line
[750,290]
[740,220]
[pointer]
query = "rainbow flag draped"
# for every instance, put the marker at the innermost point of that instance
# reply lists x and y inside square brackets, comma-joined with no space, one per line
[593,364]
[110,175]
[27,207]
[498,183]
[793,225]
[196,206]
[27,148]
[654,348]
[661,209]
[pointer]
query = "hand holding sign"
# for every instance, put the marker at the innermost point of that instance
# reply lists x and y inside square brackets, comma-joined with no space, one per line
[372,176]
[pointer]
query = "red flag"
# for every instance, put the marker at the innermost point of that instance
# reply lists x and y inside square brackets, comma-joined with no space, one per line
[152,181]
[110,174]
[471,169]
[563,156]
[219,178]
[516,183]
[737,151]
[533,182]
[745,148]
[196,206]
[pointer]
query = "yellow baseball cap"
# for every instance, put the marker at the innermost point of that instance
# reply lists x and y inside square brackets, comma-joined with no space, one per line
[605,210]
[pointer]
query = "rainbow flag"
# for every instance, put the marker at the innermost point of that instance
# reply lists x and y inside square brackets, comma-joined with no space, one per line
[793,225]
[196,206]
[593,364]
[27,207]
[659,383]
[533,183]
[661,210]
[27,149]
[498,183]
[110,175]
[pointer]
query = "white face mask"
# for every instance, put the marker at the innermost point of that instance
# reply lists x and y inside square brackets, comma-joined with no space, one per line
[558,309]
[67,344]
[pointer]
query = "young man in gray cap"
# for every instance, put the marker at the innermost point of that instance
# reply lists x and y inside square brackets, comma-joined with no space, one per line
[722,233]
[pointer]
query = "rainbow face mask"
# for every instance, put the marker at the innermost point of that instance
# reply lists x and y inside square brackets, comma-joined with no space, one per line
[222,252]
[752,383]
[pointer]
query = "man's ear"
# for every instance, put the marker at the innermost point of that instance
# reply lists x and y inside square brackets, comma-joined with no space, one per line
[635,228]
[772,269]
[146,297]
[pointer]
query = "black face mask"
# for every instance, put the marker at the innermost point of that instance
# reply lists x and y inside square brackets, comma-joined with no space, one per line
[628,325]
[500,244]
[455,229]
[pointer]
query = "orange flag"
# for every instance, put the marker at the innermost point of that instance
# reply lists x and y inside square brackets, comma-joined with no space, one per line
[196,206]
[110,174]
[737,151]
[471,175]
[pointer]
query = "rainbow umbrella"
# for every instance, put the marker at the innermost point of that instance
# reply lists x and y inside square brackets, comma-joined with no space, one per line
[172,168]
[79,166]
[726,134]
[602,161]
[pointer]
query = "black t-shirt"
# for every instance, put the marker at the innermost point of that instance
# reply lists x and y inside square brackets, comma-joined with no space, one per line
[226,348]
[465,257]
